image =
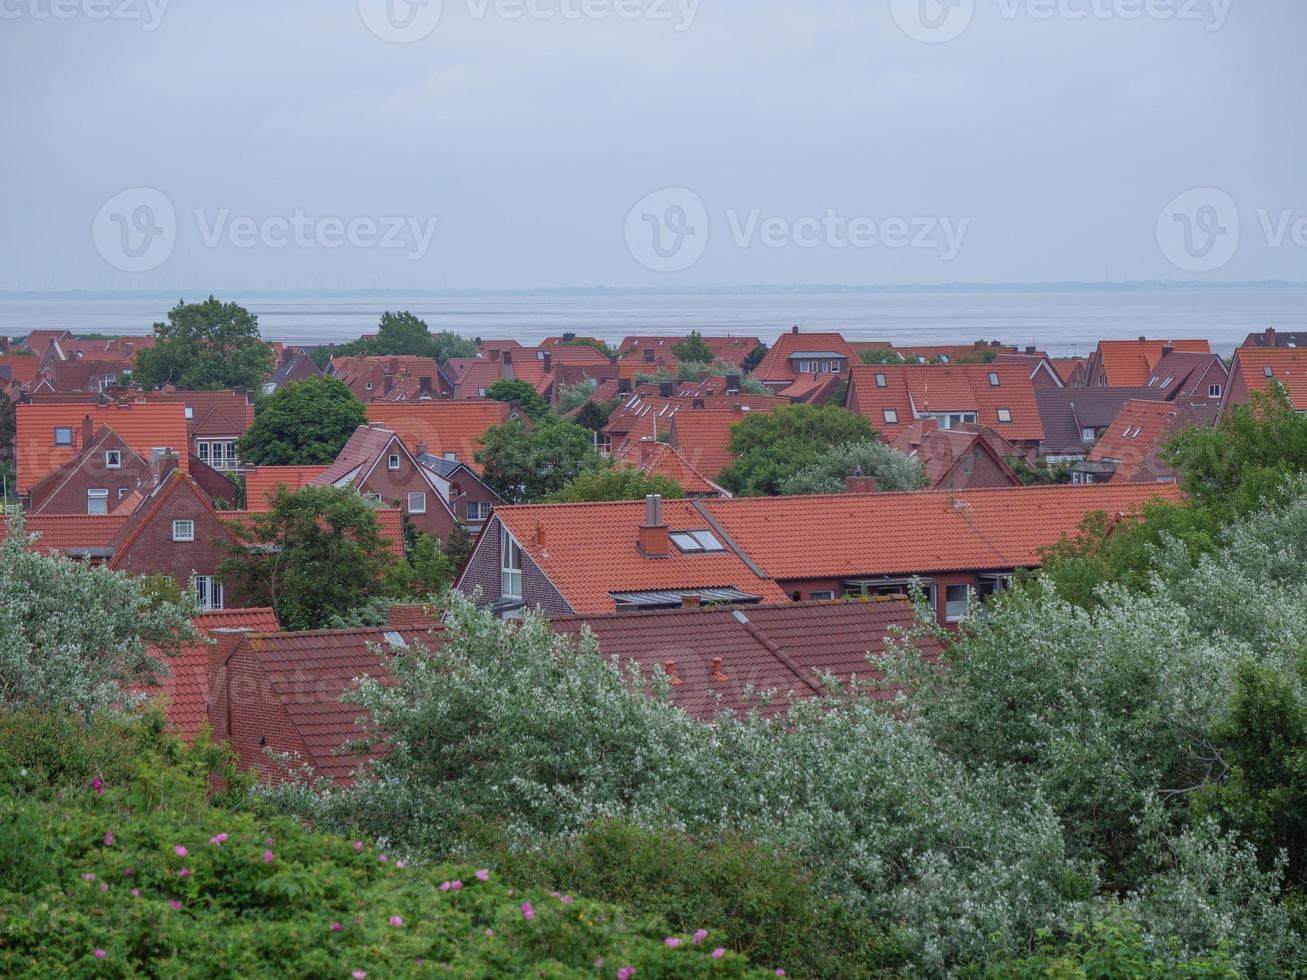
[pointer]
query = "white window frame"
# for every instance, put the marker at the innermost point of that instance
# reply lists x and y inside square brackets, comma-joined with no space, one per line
[994,381]
[392,461]
[113,459]
[951,604]
[63,428]
[891,416]
[1088,435]
[177,530]
[1213,391]
[881,380]
[479,510]
[1005,416]
[208,592]
[821,597]
[510,575]
[101,495]
[421,499]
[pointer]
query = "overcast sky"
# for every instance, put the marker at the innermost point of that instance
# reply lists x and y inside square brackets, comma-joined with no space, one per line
[294,144]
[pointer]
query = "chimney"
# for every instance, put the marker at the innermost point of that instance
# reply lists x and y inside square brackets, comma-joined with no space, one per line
[732,384]
[420,449]
[691,601]
[860,484]
[1167,349]
[549,362]
[424,386]
[654,541]
[496,354]
[477,341]
[1143,340]
[539,536]
[666,389]
[568,338]
[87,431]
[1030,350]
[669,667]
[647,446]
[698,403]
[623,386]
[507,371]
[225,642]
[795,330]
[1270,336]
[612,360]
[164,463]
[387,384]
[717,673]
[648,355]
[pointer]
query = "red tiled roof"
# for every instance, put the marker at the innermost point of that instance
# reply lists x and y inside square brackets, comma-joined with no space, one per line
[703,437]
[662,459]
[952,351]
[363,447]
[590,550]
[1128,363]
[915,390]
[776,365]
[780,648]
[308,672]
[939,450]
[916,533]
[184,681]
[1136,433]
[22,367]
[1071,370]
[391,527]
[174,483]
[144,427]
[811,387]
[443,426]
[60,532]
[262,482]
[1288,366]
[213,413]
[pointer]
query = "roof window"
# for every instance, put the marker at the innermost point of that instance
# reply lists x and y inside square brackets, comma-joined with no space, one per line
[696,542]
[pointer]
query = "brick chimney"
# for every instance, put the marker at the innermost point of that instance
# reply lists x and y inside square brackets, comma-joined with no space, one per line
[1270,336]
[666,388]
[496,354]
[88,431]
[647,446]
[420,449]
[568,338]
[669,668]
[163,464]
[549,362]
[387,384]
[649,355]
[860,484]
[795,330]
[654,541]
[225,642]
[424,386]
[1167,349]
[507,372]
[691,601]
[1030,350]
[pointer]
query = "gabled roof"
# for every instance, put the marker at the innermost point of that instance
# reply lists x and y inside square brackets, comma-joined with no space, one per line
[1071,370]
[703,437]
[663,459]
[174,484]
[142,426]
[210,413]
[21,368]
[1276,338]
[1180,373]
[912,391]
[308,672]
[1138,432]
[928,532]
[720,656]
[442,426]
[1066,412]
[589,551]
[360,452]
[811,388]
[184,681]
[776,365]
[262,482]
[1036,364]
[1286,365]
[49,486]
[1128,363]
[941,450]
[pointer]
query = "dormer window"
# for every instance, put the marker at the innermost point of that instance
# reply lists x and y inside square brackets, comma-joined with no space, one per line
[190,413]
[97,501]
[1005,415]
[183,530]
[392,461]
[993,379]
[1167,382]
[368,386]
[696,542]
[113,459]
[943,358]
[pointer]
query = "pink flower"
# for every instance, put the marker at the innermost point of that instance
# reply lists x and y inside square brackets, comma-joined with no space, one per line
[400,863]
[382,858]
[444,886]
[672,941]
[97,786]
[108,839]
[567,899]
[336,927]
[456,885]
[780,972]
[625,973]
[218,840]
[184,873]
[483,874]
[99,954]
[179,851]
[267,857]
[128,872]
[358,845]
[174,904]
[104,886]
[528,912]
[700,936]
[599,963]
[396,920]
[89,875]
[489,933]
[136,893]
[268,842]
[718,953]
[359,974]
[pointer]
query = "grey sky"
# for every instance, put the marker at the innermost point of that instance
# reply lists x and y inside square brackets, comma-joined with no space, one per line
[1041,144]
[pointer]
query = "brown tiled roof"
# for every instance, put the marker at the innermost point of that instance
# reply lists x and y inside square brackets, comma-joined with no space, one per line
[662,459]
[1066,412]
[939,450]
[720,656]
[61,532]
[776,365]
[1136,433]
[443,426]
[1128,363]
[213,413]
[913,390]
[262,482]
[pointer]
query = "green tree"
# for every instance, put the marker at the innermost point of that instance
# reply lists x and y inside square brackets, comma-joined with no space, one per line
[74,636]
[572,397]
[208,345]
[771,447]
[401,333]
[525,463]
[892,469]
[594,415]
[692,348]
[879,355]
[753,359]
[306,423]
[314,553]
[522,392]
[8,426]
[615,483]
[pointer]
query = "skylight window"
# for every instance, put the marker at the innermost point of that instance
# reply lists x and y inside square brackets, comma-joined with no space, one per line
[880,381]
[1268,372]
[993,379]
[891,417]
[1005,415]
[696,542]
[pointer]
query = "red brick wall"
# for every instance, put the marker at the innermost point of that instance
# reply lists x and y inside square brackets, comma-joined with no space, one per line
[154,551]
[483,570]
[804,588]
[976,469]
[244,709]
[394,486]
[51,498]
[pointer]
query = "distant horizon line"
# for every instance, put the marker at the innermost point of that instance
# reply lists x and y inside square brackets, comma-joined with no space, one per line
[758,290]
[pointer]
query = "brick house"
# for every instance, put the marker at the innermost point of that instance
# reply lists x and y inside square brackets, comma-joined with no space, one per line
[468,497]
[1075,418]
[1130,451]
[967,456]
[293,364]
[1259,368]
[1129,363]
[98,480]
[443,427]
[795,354]
[215,420]
[1042,372]
[665,460]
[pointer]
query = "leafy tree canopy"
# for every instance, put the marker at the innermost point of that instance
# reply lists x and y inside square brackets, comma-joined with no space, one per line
[692,348]
[306,423]
[753,359]
[524,463]
[879,355]
[522,392]
[206,346]
[615,483]
[892,469]
[771,447]
[401,333]
[313,553]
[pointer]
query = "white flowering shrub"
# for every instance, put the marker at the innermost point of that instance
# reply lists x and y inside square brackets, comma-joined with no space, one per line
[72,636]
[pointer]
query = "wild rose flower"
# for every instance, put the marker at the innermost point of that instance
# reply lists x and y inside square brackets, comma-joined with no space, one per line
[456,885]
[128,872]
[718,953]
[672,941]
[184,873]
[336,927]
[89,875]
[108,838]
[358,845]
[104,886]
[625,973]
[396,920]
[382,858]
[359,974]
[528,912]
[780,972]
[567,900]
[97,786]
[400,863]
[489,933]
[700,936]
[268,842]
[99,954]
[174,904]
[180,851]
[267,857]
[136,893]
[483,874]
[217,840]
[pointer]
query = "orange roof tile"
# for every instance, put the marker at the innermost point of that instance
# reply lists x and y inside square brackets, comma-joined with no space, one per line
[662,459]
[703,437]
[912,391]
[442,426]
[589,551]
[22,368]
[1287,365]
[916,533]
[1128,363]
[60,532]
[1137,432]
[776,365]
[262,482]
[142,426]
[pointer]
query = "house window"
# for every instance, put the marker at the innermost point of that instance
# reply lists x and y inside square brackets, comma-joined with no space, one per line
[881,382]
[218,453]
[208,592]
[822,596]
[183,530]
[478,510]
[1088,435]
[993,379]
[63,435]
[510,567]
[1005,415]
[696,542]
[392,461]
[891,417]
[943,358]
[956,599]
[122,492]
[190,413]
[97,501]
[368,386]
[1268,372]
[1213,391]
[417,503]
[113,459]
